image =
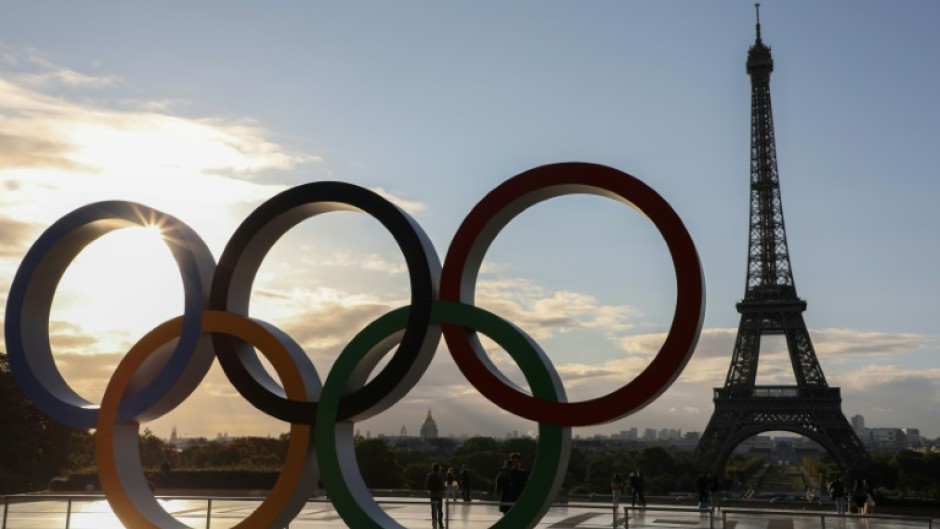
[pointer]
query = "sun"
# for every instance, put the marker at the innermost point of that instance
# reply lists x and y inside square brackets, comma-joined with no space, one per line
[116,289]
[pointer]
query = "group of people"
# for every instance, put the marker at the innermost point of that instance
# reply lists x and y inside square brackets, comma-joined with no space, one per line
[705,485]
[510,481]
[440,486]
[637,484]
[860,497]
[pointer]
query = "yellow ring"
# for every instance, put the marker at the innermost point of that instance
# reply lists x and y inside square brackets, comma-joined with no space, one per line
[116,447]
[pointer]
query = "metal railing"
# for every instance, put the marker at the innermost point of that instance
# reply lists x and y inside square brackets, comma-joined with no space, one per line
[101,515]
[823,516]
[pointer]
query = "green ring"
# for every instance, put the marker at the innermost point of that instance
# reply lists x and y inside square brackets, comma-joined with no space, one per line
[334,441]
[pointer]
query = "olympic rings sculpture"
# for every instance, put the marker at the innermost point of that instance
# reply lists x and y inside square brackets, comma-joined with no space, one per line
[166,365]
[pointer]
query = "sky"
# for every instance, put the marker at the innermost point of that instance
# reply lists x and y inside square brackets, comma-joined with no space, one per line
[205,110]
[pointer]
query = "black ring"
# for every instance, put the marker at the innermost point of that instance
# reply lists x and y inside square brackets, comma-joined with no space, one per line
[231,291]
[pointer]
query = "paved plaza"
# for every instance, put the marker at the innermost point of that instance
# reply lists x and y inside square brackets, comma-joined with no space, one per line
[93,512]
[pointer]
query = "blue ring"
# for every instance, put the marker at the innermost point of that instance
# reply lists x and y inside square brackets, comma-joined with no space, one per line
[34,286]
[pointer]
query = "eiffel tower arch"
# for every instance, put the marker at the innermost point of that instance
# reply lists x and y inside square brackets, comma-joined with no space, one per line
[771,307]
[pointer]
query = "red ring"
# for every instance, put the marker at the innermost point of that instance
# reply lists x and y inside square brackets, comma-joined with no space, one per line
[494,212]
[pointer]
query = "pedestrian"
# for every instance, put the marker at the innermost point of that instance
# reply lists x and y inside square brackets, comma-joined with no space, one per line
[638,483]
[450,484]
[714,484]
[701,486]
[859,495]
[518,477]
[434,483]
[503,485]
[837,493]
[616,487]
[869,498]
[465,483]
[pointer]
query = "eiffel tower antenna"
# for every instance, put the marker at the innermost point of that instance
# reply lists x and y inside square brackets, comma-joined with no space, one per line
[771,307]
[757,8]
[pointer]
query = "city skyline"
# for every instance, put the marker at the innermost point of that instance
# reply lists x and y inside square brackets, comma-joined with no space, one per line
[433,106]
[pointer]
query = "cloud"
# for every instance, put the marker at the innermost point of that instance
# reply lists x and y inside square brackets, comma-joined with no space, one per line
[70,338]
[322,320]
[64,154]
[33,152]
[57,154]
[872,376]
[411,206]
[543,313]
[685,409]
[67,77]
[371,262]
[44,72]
[16,236]
[855,342]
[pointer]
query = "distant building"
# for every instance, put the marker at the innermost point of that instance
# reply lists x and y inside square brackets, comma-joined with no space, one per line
[858,422]
[886,439]
[182,442]
[758,443]
[429,428]
[914,438]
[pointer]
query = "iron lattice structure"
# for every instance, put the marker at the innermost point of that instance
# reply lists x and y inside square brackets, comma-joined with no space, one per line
[771,306]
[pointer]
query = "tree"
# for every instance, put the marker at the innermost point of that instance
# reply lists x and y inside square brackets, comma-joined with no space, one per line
[598,475]
[414,475]
[378,464]
[33,447]
[882,474]
[917,472]
[654,460]
[525,446]
[155,451]
[477,444]
[577,469]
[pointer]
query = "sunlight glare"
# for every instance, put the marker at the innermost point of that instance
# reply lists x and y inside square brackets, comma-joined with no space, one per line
[120,287]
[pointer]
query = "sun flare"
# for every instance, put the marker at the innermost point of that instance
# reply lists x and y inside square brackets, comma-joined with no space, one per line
[118,288]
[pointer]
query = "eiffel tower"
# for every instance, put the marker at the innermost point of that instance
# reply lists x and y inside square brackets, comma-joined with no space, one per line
[771,306]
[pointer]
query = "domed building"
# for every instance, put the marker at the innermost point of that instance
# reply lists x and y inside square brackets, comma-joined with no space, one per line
[429,428]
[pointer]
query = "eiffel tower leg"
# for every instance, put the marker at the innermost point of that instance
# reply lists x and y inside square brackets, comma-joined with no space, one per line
[710,452]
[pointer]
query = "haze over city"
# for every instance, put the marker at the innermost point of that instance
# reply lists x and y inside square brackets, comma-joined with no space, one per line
[207,110]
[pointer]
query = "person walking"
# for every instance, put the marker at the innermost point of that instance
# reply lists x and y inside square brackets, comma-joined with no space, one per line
[465,483]
[837,493]
[638,483]
[701,486]
[859,495]
[869,498]
[503,485]
[434,483]
[714,484]
[518,477]
[616,488]
[450,482]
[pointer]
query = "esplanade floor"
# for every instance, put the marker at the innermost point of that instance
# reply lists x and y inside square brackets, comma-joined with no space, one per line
[92,512]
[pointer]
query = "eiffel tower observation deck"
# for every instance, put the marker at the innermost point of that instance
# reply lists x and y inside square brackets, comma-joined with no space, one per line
[771,306]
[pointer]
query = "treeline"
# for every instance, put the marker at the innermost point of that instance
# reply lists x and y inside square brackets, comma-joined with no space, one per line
[906,473]
[384,467]
[33,448]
